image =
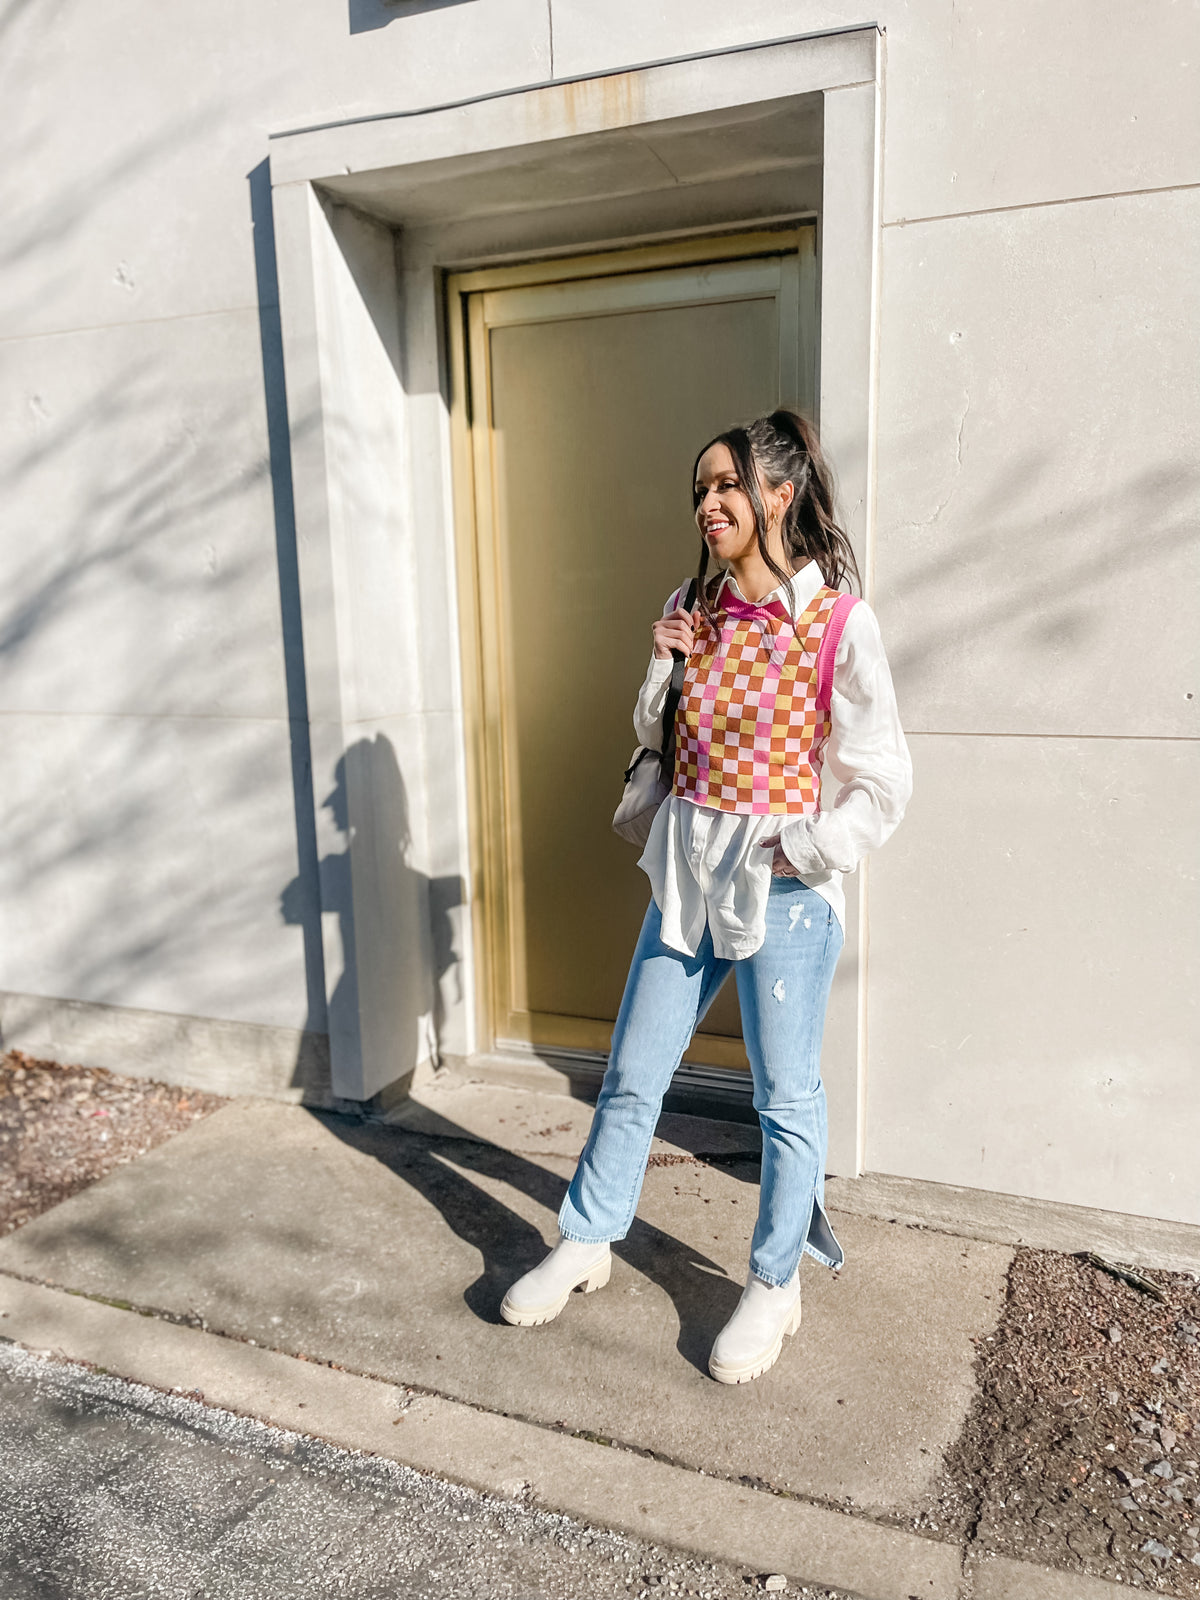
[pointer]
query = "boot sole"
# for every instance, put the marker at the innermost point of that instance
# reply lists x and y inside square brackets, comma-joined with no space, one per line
[749,1370]
[534,1316]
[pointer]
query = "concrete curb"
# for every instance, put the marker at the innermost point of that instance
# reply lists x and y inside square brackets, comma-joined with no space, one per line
[613,1488]
[1001,1578]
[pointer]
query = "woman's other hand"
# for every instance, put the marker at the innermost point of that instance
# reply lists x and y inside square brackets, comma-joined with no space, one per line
[781,867]
[675,631]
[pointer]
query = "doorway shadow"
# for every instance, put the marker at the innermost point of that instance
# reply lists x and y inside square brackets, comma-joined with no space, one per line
[446,1170]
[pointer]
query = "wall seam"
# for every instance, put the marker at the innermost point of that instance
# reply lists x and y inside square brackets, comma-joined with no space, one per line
[253,308]
[284,720]
[986,733]
[1042,205]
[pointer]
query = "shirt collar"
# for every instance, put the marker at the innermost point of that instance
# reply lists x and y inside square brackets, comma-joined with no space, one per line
[805,582]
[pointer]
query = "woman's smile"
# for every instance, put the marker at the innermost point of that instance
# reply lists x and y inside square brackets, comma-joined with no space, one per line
[724,513]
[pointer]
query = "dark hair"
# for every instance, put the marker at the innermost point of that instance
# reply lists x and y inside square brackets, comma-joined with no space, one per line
[784,448]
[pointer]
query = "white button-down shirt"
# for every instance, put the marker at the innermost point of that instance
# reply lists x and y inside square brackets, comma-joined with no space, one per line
[709,866]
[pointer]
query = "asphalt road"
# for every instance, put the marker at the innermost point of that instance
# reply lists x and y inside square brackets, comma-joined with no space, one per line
[112,1491]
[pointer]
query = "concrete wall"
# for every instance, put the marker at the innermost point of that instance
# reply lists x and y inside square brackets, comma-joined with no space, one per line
[161,849]
[1028,1021]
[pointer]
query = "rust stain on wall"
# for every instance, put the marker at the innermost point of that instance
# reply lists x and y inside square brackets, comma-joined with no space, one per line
[615,101]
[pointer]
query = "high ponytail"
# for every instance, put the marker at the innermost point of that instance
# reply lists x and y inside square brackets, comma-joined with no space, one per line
[811,530]
[774,450]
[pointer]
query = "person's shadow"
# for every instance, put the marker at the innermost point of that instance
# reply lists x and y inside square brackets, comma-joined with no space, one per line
[444,1167]
[400,908]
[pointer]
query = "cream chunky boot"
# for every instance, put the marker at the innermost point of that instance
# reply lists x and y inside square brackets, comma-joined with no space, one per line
[751,1340]
[541,1294]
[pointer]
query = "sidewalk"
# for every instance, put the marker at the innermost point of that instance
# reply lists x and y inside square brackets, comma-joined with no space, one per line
[378,1255]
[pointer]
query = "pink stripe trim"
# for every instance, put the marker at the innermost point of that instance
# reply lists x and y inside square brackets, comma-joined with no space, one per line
[827,649]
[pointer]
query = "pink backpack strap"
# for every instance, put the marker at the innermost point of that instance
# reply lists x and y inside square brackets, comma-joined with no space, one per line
[827,649]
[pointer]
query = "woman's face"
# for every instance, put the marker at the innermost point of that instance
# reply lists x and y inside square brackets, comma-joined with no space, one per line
[724,514]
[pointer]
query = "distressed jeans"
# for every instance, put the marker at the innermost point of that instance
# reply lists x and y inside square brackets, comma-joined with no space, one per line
[783,989]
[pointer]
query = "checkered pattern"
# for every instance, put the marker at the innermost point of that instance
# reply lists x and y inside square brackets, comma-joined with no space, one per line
[749,730]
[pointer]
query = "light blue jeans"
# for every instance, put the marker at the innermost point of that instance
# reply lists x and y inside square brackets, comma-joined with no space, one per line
[783,989]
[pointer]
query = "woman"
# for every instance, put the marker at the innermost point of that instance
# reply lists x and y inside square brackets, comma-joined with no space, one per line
[745,867]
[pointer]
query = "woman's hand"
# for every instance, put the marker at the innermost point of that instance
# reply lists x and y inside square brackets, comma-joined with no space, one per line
[675,631]
[781,867]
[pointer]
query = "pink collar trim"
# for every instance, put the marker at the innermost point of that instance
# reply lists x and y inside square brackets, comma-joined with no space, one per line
[734,606]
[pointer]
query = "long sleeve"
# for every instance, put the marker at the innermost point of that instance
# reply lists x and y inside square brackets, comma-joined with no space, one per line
[648,713]
[866,752]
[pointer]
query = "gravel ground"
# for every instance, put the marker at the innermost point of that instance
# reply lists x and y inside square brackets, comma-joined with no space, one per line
[1081,1449]
[61,1128]
[112,1489]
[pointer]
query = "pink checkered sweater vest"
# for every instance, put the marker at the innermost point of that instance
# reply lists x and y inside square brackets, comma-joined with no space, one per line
[753,718]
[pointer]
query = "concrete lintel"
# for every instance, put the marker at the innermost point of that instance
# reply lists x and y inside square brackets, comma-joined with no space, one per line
[750,76]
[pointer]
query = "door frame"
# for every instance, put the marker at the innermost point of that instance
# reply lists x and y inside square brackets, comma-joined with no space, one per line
[476,564]
[367,214]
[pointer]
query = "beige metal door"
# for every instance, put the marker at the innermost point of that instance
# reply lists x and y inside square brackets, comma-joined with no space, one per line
[588,398]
